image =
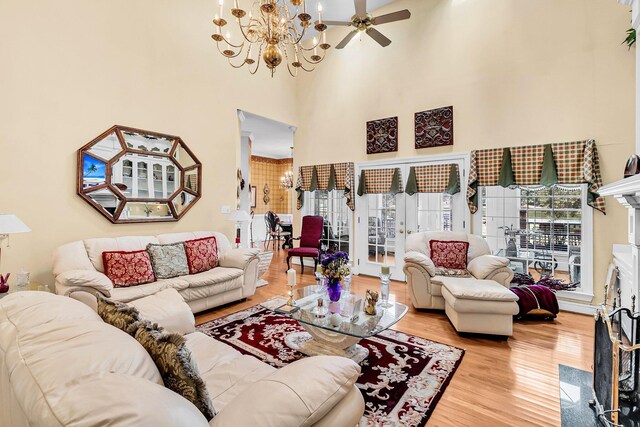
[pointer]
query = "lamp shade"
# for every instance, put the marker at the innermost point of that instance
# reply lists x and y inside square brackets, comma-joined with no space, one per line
[11,224]
[239,216]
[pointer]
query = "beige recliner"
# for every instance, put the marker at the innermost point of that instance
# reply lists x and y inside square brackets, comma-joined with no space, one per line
[425,286]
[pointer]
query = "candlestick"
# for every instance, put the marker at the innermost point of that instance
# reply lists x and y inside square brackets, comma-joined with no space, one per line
[291,284]
[384,286]
[221,4]
[384,269]
[315,46]
[228,37]
[319,13]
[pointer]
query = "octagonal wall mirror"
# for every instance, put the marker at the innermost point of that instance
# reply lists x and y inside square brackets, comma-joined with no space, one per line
[132,175]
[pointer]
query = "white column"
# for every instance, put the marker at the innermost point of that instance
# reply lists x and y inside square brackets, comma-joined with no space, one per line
[134,178]
[163,177]
[150,179]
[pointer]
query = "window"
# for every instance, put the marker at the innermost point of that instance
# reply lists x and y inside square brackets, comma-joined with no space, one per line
[434,212]
[332,206]
[382,228]
[541,230]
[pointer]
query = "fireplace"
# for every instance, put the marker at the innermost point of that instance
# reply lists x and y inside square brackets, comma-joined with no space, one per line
[616,367]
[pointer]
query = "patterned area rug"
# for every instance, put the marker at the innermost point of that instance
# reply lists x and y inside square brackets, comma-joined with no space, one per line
[402,379]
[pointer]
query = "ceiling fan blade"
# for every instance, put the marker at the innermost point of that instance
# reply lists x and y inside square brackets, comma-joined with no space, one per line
[361,8]
[345,41]
[340,23]
[391,17]
[379,37]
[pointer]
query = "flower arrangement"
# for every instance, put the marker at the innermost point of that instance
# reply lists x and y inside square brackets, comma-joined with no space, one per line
[335,267]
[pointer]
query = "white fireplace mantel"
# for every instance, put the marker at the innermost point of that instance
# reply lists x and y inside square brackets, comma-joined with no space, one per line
[627,257]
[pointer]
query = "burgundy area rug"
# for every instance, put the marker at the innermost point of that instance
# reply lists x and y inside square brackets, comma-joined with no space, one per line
[402,379]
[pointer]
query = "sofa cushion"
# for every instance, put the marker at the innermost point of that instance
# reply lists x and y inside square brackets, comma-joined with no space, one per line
[176,365]
[209,352]
[118,314]
[128,268]
[117,400]
[95,247]
[169,260]
[224,245]
[304,252]
[168,309]
[216,276]
[461,305]
[308,388]
[484,265]
[449,254]
[202,254]
[134,292]
[475,289]
[452,272]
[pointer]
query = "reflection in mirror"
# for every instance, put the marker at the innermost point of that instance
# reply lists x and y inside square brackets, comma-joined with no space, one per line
[106,148]
[143,142]
[93,171]
[183,157]
[191,180]
[183,200]
[144,176]
[145,210]
[106,199]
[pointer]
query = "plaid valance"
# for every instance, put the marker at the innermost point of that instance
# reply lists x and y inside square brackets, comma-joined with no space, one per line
[562,163]
[335,176]
[433,179]
[380,181]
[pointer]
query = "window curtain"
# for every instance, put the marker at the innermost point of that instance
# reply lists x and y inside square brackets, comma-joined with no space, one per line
[433,179]
[335,176]
[562,163]
[380,181]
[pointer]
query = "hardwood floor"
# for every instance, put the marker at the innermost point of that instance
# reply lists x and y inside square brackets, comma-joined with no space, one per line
[510,382]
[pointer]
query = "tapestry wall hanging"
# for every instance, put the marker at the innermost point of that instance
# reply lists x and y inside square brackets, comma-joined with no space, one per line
[434,128]
[382,135]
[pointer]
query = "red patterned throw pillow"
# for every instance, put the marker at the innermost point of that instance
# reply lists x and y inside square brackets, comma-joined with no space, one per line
[202,254]
[128,268]
[451,254]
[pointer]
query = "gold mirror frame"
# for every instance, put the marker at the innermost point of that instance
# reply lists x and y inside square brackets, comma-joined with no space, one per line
[114,200]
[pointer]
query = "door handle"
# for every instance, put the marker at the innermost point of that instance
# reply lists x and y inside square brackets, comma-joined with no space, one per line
[401,231]
[409,231]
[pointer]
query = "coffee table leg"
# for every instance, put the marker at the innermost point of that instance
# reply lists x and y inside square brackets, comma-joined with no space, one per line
[317,341]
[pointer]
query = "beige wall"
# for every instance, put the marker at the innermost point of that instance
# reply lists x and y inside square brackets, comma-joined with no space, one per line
[268,171]
[516,72]
[73,68]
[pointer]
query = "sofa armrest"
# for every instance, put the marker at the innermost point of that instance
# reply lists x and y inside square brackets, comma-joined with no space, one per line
[89,280]
[307,389]
[239,258]
[168,309]
[503,275]
[484,265]
[422,260]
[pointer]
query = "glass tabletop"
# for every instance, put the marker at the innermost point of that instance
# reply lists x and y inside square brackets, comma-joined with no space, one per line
[345,316]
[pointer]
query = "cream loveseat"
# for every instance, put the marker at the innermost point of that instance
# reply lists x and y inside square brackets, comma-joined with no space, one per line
[78,270]
[480,303]
[61,365]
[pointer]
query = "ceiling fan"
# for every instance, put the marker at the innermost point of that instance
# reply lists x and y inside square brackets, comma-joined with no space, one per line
[364,22]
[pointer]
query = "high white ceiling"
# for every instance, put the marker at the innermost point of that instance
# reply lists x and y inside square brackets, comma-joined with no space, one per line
[340,10]
[270,138]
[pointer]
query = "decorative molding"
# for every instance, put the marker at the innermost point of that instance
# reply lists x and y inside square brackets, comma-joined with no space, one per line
[576,307]
[288,161]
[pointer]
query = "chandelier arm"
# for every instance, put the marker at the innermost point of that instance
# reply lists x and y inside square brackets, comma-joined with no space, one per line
[242,64]
[310,61]
[255,70]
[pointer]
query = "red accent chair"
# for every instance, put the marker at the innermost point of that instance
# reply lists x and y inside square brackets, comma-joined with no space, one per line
[310,239]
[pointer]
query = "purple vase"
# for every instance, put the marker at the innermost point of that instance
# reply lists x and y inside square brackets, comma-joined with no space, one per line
[334,288]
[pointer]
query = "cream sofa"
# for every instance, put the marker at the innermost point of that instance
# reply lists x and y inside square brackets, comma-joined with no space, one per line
[78,270]
[481,303]
[61,365]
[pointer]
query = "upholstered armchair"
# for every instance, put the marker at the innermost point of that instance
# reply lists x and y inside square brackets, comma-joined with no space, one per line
[424,280]
[310,240]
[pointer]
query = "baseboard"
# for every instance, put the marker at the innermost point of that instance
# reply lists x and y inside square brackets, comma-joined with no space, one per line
[575,307]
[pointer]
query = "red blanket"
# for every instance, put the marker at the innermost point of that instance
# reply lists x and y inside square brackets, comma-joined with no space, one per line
[536,301]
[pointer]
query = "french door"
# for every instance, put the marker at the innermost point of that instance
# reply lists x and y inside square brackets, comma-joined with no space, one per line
[384,220]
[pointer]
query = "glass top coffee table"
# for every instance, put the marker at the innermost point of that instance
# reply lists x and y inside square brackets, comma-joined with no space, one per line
[338,331]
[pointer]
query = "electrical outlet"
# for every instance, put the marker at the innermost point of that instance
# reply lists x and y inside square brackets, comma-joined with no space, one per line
[225,209]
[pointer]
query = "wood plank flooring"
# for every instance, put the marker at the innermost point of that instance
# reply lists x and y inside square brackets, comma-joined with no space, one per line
[510,382]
